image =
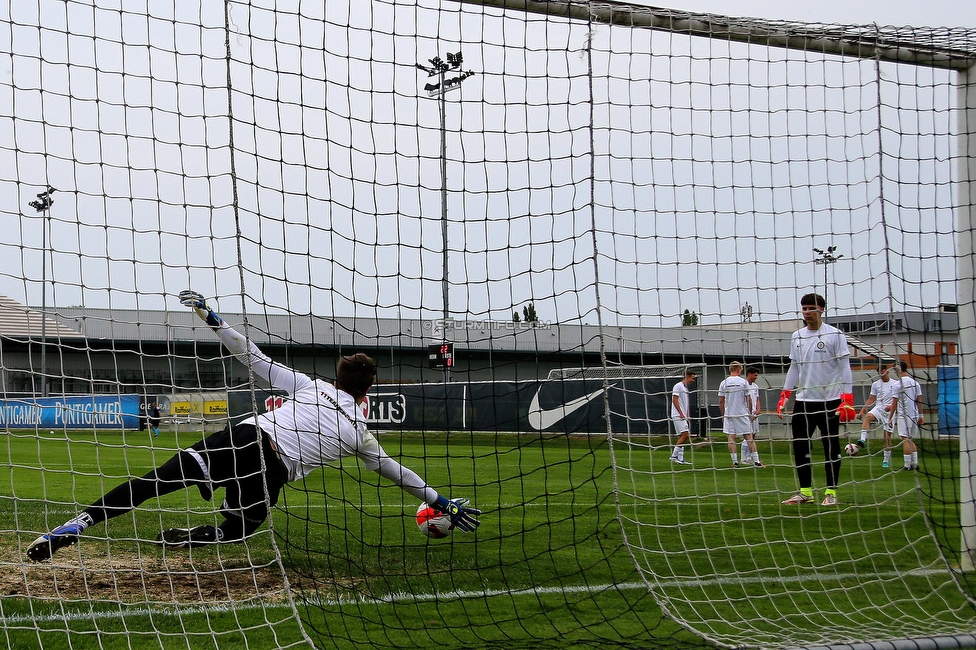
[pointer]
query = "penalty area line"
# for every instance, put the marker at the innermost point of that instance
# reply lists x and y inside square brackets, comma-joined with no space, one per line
[625,586]
[401,597]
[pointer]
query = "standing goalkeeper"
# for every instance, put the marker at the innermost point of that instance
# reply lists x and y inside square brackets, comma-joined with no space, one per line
[821,375]
[319,424]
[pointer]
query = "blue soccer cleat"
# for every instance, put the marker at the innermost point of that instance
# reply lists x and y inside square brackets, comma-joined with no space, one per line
[47,545]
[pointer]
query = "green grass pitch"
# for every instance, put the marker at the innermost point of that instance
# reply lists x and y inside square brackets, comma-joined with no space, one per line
[547,568]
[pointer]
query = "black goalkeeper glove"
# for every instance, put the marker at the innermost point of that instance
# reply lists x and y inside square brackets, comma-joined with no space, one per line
[199,304]
[462,517]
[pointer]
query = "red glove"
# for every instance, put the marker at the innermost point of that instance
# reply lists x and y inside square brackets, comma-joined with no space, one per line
[846,411]
[783,396]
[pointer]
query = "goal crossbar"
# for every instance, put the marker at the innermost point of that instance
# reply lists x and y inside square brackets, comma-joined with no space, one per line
[955,49]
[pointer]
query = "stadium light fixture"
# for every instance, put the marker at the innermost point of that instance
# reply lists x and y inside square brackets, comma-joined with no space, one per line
[826,257]
[746,312]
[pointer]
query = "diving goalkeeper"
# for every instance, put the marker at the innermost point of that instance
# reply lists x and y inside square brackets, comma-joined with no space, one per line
[318,424]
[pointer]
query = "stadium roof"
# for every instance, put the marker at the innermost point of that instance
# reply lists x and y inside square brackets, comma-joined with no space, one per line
[18,322]
[760,339]
[502,336]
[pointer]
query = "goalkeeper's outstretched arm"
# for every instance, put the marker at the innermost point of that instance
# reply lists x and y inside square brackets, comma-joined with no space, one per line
[462,516]
[277,375]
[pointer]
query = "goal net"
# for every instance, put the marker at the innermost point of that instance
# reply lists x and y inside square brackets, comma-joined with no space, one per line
[536,218]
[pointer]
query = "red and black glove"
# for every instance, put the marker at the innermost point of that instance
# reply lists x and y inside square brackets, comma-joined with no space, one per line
[783,396]
[846,411]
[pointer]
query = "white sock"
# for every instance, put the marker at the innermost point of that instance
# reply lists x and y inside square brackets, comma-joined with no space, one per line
[908,460]
[864,435]
[755,456]
[735,458]
[887,455]
[914,458]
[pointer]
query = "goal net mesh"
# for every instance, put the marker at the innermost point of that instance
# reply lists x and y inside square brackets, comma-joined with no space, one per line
[536,217]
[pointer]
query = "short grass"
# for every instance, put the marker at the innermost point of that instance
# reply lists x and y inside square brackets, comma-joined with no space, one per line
[550,566]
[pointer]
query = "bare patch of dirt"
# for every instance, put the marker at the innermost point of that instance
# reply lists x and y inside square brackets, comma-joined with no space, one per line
[133,578]
[126,571]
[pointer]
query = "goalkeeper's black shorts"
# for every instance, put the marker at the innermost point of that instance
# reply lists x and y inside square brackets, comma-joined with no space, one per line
[233,457]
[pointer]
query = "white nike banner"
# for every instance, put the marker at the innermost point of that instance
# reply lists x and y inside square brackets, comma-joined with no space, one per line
[634,406]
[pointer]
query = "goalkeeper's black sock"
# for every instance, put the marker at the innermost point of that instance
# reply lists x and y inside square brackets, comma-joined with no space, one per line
[236,529]
[177,473]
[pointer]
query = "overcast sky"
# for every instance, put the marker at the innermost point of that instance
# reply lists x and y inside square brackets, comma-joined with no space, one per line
[713,176]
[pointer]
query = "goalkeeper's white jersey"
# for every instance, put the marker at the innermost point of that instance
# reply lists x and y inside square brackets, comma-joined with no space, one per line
[820,369]
[318,424]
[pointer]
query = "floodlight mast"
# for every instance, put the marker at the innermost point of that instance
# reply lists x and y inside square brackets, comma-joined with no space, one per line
[439,68]
[826,257]
[43,206]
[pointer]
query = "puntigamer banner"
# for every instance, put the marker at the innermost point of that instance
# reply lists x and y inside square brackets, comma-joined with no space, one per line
[71,412]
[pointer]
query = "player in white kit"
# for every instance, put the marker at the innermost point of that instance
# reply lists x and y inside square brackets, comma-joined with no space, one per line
[820,372]
[876,409]
[681,417]
[735,404]
[906,409]
[749,452]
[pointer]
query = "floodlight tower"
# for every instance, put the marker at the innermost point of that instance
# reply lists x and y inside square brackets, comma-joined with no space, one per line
[826,257]
[439,68]
[43,206]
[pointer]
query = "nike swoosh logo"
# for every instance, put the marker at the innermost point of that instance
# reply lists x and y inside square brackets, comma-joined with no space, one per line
[541,419]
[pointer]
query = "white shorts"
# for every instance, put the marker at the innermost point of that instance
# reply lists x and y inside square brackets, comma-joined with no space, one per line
[737,425]
[907,428]
[680,425]
[882,416]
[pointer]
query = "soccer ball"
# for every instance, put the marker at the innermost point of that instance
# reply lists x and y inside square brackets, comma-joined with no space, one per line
[852,449]
[433,523]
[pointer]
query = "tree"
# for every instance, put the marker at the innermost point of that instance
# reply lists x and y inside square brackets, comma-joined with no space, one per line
[516,317]
[529,313]
[689,319]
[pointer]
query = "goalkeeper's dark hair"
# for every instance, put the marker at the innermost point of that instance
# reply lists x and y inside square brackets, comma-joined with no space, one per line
[355,374]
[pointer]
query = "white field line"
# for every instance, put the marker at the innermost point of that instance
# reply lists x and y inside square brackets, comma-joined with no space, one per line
[397,598]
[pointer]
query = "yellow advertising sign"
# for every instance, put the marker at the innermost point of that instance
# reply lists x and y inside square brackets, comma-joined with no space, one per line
[215,408]
[184,408]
